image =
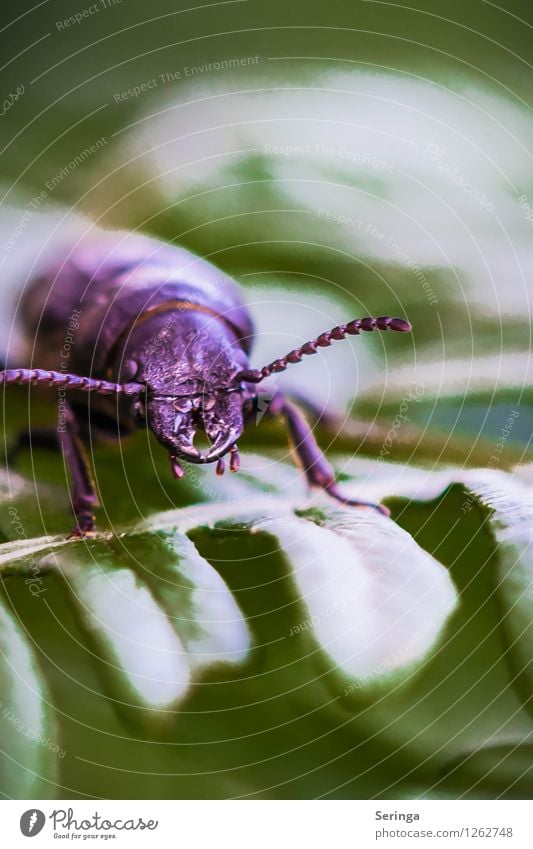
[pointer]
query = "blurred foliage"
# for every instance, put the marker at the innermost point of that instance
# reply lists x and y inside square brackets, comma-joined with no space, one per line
[78,68]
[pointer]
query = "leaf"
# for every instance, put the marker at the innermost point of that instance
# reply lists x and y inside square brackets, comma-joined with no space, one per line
[239,706]
[280,630]
[476,690]
[508,519]
[377,601]
[511,522]
[484,770]
[374,601]
[152,632]
[469,403]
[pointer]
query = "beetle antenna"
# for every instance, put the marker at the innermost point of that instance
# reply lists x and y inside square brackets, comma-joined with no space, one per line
[353,328]
[63,380]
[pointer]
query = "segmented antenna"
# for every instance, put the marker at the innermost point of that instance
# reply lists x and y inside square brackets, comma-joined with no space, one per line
[353,328]
[62,380]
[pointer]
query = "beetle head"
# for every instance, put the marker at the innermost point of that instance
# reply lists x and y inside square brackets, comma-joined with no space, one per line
[177,420]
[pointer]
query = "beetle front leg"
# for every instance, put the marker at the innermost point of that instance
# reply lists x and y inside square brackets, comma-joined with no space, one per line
[317,469]
[84,497]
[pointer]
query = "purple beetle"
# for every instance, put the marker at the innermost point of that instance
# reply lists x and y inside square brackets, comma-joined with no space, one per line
[159,338]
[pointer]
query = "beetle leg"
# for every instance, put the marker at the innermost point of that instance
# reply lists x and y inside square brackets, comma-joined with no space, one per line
[317,412]
[317,469]
[177,469]
[234,463]
[84,498]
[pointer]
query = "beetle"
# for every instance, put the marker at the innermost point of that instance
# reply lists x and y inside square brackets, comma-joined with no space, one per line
[159,338]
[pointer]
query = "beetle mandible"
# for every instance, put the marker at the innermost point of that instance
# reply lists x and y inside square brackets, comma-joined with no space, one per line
[158,337]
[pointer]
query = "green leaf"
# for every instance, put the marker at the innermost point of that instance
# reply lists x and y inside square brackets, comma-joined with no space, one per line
[275,626]
[510,520]
[30,741]
[150,632]
[373,601]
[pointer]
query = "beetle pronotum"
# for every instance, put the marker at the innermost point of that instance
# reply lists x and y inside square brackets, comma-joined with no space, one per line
[159,342]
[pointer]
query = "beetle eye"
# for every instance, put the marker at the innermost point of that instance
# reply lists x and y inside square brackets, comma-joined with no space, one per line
[183,405]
